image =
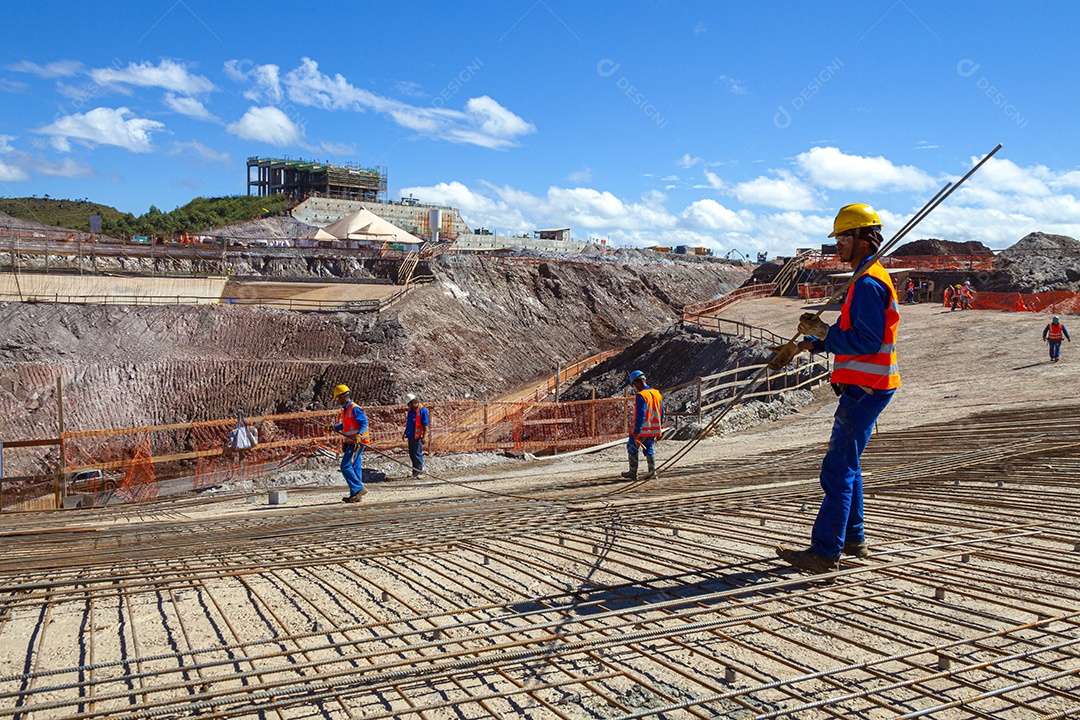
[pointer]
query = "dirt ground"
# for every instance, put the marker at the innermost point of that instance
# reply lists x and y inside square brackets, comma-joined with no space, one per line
[953,364]
[572,598]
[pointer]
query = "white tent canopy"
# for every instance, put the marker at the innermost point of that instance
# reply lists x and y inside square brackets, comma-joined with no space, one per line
[319,234]
[366,225]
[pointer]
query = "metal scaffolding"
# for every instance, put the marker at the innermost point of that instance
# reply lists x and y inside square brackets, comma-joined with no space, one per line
[303,178]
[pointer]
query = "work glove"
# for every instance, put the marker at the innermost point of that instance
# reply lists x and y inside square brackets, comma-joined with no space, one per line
[784,354]
[809,324]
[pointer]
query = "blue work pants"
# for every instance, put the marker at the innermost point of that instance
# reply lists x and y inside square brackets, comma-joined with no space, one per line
[840,518]
[416,454]
[352,461]
[646,445]
[1055,348]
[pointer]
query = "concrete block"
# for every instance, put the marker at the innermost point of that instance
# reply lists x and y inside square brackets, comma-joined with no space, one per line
[279,497]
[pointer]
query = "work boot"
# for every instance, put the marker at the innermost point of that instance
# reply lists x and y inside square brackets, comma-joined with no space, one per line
[631,474]
[355,497]
[808,562]
[651,460]
[856,549]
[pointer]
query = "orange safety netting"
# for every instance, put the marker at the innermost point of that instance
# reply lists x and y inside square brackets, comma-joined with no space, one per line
[922,263]
[1054,301]
[136,463]
[695,310]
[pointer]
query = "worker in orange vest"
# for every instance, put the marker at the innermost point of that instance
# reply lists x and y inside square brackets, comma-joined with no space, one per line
[353,424]
[648,425]
[416,424]
[1053,334]
[865,376]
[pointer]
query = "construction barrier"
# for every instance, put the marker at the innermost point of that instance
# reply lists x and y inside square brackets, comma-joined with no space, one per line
[131,465]
[919,263]
[1052,301]
[816,291]
[694,311]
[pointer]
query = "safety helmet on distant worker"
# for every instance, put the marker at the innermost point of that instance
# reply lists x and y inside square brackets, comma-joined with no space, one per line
[341,390]
[635,375]
[852,217]
[409,397]
[1056,319]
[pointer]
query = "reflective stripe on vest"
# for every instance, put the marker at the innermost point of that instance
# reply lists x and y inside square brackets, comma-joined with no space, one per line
[350,428]
[1058,334]
[877,370]
[652,425]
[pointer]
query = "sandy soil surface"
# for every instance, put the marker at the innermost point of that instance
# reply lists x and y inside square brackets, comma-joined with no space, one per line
[564,594]
[952,365]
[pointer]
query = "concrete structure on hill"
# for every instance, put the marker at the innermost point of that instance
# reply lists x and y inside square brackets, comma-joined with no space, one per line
[302,178]
[415,217]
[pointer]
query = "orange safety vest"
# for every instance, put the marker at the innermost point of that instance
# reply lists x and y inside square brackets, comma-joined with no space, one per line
[877,370]
[351,429]
[652,427]
[1058,334]
[418,425]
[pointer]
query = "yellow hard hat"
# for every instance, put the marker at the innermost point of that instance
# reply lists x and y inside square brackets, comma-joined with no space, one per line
[341,390]
[854,216]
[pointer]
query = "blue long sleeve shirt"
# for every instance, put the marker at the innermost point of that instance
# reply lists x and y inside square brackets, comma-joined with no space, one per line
[869,298]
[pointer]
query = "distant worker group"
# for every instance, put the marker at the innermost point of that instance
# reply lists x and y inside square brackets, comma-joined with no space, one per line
[960,295]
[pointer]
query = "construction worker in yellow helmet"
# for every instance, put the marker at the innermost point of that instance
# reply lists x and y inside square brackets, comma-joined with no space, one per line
[353,425]
[865,375]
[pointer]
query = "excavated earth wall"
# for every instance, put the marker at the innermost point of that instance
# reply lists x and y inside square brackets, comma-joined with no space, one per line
[481,327]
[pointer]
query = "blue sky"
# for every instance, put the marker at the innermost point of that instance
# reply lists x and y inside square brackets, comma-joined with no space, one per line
[739,126]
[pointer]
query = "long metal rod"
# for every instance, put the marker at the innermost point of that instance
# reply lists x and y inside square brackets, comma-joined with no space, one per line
[885,247]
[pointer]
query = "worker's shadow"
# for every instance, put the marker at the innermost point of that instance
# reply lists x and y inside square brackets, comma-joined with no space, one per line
[678,588]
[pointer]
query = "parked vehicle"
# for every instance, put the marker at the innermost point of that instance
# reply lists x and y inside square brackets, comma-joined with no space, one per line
[92,481]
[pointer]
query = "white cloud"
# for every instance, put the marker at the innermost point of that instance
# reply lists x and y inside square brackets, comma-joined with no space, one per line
[711,215]
[785,192]
[265,80]
[584,175]
[688,160]
[475,207]
[715,181]
[198,153]
[483,122]
[168,75]
[58,68]
[1007,176]
[68,167]
[700,28]
[103,126]
[12,86]
[733,85]
[337,148]
[830,168]
[189,106]
[269,125]
[10,172]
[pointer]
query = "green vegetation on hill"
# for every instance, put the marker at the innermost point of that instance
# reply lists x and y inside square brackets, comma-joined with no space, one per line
[198,215]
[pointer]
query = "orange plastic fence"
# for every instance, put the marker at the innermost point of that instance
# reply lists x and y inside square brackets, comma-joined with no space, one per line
[915,262]
[1053,301]
[695,310]
[137,462]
